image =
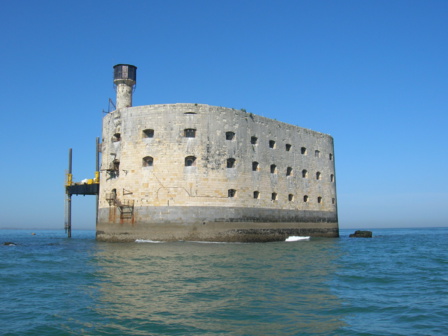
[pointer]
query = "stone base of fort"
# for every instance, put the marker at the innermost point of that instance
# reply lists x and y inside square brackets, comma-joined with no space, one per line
[219,224]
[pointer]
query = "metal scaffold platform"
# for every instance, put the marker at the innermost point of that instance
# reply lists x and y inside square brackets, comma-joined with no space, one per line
[85,187]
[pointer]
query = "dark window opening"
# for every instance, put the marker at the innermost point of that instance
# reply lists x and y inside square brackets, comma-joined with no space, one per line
[303,150]
[190,133]
[304,173]
[305,198]
[288,171]
[274,196]
[230,135]
[231,193]
[319,200]
[255,166]
[330,156]
[333,201]
[290,197]
[254,140]
[190,161]
[116,137]
[288,147]
[331,178]
[231,163]
[318,176]
[148,133]
[114,168]
[271,144]
[147,161]
[273,169]
[317,153]
[116,165]
[256,194]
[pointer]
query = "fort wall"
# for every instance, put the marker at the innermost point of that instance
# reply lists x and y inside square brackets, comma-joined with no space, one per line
[200,172]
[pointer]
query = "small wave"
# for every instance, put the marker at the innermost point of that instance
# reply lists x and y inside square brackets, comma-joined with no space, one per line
[148,241]
[297,238]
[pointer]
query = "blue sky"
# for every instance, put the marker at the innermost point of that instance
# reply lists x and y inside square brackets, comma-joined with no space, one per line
[373,74]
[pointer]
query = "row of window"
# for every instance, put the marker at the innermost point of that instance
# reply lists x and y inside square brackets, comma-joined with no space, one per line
[191,133]
[231,193]
[190,161]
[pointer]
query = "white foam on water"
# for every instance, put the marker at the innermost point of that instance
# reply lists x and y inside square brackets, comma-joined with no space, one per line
[297,238]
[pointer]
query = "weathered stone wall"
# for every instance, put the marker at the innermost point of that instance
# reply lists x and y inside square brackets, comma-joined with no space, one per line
[218,224]
[167,183]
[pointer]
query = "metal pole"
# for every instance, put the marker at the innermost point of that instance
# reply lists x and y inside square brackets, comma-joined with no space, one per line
[69,198]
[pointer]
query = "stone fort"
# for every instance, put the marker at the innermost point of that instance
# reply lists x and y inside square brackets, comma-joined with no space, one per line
[206,173]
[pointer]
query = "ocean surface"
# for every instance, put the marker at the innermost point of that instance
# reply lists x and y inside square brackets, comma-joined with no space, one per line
[395,283]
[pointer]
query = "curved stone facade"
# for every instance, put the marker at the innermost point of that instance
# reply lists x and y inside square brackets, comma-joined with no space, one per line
[200,172]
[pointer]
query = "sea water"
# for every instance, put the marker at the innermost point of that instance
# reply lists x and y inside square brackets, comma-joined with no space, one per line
[395,283]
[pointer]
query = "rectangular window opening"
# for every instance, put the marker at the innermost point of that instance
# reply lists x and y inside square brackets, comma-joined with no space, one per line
[230,135]
[148,133]
[190,133]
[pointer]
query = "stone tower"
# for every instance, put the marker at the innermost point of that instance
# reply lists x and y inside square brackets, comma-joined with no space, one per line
[125,78]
